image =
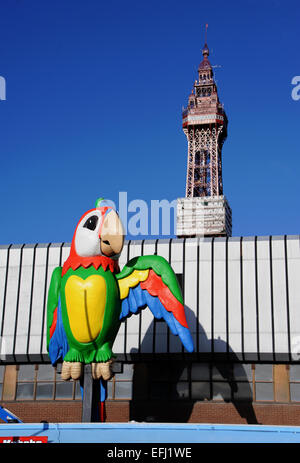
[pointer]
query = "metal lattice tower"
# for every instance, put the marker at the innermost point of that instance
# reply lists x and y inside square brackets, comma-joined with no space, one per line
[204,211]
[205,125]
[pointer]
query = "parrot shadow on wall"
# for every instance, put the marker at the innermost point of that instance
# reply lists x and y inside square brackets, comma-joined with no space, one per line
[156,393]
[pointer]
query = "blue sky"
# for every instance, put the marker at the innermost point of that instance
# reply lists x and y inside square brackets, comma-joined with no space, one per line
[94,97]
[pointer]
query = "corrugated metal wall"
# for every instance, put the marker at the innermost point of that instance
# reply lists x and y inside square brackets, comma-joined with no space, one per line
[242,298]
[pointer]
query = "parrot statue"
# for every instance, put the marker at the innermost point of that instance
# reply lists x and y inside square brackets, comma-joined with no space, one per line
[89,296]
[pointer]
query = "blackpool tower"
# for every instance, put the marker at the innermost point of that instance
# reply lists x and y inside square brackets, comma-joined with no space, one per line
[204,211]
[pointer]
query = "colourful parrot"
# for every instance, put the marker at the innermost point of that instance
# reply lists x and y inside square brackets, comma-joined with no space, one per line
[89,297]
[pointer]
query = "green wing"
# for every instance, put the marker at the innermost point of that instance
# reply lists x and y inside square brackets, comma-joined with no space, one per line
[150,281]
[53,296]
[159,265]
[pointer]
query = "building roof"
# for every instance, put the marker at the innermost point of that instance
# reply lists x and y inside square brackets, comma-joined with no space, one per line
[205,64]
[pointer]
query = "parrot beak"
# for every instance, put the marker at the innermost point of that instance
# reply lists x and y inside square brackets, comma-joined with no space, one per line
[112,235]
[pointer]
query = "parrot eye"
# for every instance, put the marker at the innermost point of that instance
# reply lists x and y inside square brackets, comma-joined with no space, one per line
[91,222]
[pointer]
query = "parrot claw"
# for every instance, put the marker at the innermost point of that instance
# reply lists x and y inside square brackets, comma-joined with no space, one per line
[76,370]
[71,370]
[66,371]
[102,369]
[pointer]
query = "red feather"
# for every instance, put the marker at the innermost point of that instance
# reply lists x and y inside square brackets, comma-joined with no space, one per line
[74,261]
[54,321]
[156,287]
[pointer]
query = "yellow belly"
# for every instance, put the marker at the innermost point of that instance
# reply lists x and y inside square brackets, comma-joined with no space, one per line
[85,301]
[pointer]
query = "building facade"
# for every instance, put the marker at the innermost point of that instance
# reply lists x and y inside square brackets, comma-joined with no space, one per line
[241,297]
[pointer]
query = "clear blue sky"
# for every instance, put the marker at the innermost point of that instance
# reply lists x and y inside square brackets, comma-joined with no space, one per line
[94,97]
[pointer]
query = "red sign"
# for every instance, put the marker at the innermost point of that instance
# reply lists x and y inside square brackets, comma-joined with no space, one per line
[24,440]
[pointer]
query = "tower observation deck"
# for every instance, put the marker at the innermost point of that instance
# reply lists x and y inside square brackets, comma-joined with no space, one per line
[204,211]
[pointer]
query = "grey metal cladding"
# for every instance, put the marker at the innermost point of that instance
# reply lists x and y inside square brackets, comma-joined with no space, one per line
[241,294]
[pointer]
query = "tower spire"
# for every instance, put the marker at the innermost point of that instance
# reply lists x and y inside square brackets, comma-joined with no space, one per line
[205,50]
[205,64]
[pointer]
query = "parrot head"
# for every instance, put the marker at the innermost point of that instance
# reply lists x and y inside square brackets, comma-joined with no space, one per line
[98,239]
[99,232]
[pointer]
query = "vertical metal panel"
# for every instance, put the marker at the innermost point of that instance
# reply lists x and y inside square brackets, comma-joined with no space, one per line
[256,298]
[12,294]
[191,286]
[219,289]
[226,296]
[161,330]
[149,247]
[140,313]
[20,341]
[135,249]
[37,313]
[32,289]
[132,334]
[54,256]
[118,346]
[18,300]
[65,251]
[123,259]
[293,255]
[163,248]
[4,261]
[205,295]
[272,296]
[279,296]
[154,319]
[287,297]
[146,338]
[176,262]
[249,298]
[234,295]
[44,306]
[264,296]
[176,255]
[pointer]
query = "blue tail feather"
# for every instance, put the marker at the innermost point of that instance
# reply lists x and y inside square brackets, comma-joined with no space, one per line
[139,296]
[58,345]
[132,302]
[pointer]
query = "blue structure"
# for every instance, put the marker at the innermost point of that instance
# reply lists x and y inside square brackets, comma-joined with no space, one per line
[136,433]
[8,416]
